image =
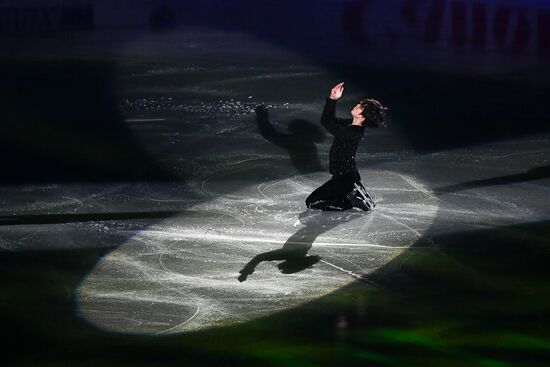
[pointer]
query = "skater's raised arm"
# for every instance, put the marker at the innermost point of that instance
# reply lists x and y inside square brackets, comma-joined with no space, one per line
[328,118]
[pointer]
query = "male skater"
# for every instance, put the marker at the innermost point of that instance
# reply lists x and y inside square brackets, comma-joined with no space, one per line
[344,190]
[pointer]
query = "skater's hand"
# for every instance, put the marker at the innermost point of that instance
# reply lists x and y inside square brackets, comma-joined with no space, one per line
[337,91]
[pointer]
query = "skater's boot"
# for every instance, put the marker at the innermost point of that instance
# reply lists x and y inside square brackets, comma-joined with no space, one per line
[360,198]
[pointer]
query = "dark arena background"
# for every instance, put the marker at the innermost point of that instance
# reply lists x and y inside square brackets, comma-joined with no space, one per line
[151,149]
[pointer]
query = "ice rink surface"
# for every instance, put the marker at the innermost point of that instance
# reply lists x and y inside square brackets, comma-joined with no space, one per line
[173,250]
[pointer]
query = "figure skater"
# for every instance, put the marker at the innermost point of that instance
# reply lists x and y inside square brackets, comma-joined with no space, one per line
[345,190]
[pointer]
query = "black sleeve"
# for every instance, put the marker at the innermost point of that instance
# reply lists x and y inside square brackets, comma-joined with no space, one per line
[329,120]
[343,122]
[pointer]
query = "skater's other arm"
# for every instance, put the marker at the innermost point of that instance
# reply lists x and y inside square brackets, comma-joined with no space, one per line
[328,118]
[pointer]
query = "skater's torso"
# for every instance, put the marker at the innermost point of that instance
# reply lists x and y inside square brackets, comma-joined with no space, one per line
[343,150]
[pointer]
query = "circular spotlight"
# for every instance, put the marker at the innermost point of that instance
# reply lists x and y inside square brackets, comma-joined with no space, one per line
[181,274]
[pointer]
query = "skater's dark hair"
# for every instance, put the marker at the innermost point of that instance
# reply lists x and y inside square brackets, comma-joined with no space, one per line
[374,113]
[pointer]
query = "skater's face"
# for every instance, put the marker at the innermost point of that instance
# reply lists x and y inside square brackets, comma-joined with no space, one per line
[357,110]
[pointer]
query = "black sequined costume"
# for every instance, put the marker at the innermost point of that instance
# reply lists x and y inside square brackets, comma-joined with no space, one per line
[344,188]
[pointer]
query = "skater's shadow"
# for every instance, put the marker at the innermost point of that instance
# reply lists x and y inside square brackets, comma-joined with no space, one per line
[293,254]
[537,173]
[300,141]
